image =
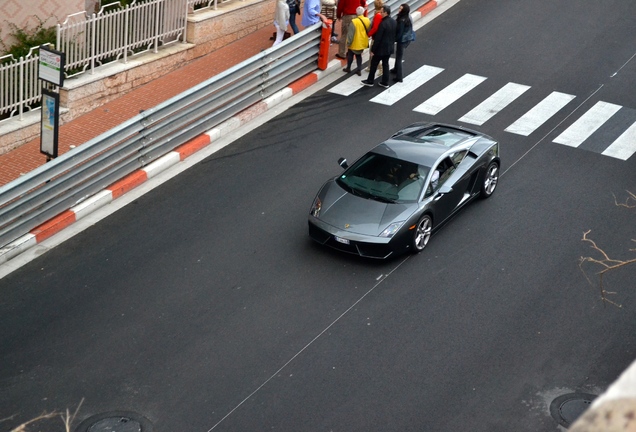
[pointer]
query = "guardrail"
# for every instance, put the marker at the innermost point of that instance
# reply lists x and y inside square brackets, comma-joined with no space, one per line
[71,178]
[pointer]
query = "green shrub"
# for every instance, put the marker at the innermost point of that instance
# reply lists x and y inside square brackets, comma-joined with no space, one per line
[27,39]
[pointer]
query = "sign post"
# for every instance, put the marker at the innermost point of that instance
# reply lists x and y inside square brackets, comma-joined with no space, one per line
[50,123]
[50,70]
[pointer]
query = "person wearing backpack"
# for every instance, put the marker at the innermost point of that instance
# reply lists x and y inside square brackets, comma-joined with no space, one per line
[403,37]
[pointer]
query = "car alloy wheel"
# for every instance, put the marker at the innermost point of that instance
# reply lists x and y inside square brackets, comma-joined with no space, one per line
[422,233]
[490,180]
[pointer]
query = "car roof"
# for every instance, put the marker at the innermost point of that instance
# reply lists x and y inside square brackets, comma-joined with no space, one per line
[421,153]
[419,143]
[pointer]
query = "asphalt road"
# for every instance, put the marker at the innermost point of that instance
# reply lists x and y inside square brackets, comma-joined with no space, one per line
[203,305]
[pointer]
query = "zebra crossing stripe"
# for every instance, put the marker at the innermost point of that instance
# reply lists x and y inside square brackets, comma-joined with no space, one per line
[587,124]
[624,146]
[410,83]
[540,113]
[495,103]
[353,83]
[450,94]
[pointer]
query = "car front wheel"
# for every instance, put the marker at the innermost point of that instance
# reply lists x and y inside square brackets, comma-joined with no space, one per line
[490,180]
[422,233]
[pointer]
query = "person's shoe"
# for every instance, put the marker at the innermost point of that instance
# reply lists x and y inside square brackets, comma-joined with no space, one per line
[358,72]
[340,56]
[334,39]
[381,84]
[347,70]
[367,83]
[397,80]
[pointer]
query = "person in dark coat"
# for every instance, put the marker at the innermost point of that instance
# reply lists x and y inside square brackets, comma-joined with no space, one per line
[404,29]
[383,42]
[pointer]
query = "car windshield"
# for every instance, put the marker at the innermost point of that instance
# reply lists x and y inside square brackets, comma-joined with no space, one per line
[384,179]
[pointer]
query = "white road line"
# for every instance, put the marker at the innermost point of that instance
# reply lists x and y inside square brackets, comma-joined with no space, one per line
[624,146]
[587,124]
[410,83]
[540,113]
[450,94]
[353,83]
[495,103]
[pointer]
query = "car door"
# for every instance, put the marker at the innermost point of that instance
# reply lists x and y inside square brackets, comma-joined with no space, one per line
[444,198]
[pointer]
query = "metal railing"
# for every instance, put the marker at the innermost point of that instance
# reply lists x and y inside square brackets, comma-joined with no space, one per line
[210,4]
[19,84]
[116,32]
[64,182]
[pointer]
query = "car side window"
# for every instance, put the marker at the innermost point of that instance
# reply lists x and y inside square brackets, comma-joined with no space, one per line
[441,173]
[458,157]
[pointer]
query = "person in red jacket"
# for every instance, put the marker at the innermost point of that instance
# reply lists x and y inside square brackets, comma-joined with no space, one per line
[377,19]
[345,13]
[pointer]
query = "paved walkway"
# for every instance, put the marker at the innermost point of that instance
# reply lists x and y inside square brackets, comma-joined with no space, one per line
[78,131]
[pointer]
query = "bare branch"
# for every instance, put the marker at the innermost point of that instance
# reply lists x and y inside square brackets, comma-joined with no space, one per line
[43,416]
[605,262]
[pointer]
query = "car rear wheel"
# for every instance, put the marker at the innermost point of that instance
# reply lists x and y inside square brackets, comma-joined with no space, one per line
[422,233]
[490,180]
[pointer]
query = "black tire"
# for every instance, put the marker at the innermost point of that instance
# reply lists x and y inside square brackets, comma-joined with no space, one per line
[422,233]
[491,178]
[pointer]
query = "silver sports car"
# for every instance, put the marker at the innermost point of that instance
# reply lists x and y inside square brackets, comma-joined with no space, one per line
[392,198]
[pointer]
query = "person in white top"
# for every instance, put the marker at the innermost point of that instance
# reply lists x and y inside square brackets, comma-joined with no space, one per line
[281,20]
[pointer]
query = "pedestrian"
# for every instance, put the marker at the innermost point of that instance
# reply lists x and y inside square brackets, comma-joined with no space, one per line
[377,19]
[311,13]
[281,20]
[383,42]
[328,9]
[294,9]
[402,38]
[346,12]
[357,40]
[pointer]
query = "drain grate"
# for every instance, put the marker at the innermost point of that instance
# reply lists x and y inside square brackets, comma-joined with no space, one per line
[116,421]
[566,409]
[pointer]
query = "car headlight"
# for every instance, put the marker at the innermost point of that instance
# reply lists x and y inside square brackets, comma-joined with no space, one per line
[391,229]
[315,207]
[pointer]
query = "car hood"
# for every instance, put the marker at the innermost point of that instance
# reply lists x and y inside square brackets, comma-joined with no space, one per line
[359,215]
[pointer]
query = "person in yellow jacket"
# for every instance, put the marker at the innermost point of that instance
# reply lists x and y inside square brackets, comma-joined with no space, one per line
[357,39]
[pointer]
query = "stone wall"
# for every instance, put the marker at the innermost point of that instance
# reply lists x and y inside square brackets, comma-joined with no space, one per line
[240,18]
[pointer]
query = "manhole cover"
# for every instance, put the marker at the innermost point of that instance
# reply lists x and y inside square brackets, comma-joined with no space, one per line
[567,408]
[116,424]
[117,421]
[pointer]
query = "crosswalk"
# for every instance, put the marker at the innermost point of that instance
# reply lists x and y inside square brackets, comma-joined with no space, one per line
[581,131]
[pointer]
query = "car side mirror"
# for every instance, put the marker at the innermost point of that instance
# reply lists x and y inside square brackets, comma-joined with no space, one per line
[343,163]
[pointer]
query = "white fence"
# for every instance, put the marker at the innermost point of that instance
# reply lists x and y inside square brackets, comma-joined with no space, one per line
[89,41]
[116,32]
[19,86]
[212,4]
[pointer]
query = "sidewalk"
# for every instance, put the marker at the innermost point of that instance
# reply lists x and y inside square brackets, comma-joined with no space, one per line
[78,131]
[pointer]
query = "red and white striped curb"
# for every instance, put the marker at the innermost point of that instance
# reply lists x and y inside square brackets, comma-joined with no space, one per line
[131,181]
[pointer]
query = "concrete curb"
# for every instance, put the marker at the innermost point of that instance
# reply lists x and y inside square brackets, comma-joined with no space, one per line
[121,187]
